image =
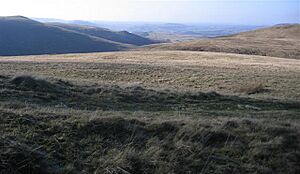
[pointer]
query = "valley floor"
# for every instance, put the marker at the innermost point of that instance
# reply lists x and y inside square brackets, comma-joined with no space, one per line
[149,112]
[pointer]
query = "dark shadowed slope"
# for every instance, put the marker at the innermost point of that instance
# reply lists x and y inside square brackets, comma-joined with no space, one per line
[22,36]
[277,41]
[120,36]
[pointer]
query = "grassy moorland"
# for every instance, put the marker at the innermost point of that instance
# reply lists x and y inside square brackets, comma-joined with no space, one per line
[149,112]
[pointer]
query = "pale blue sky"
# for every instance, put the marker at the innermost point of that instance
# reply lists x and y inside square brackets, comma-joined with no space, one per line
[262,12]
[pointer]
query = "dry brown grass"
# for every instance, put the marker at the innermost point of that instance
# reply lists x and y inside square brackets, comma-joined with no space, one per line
[184,70]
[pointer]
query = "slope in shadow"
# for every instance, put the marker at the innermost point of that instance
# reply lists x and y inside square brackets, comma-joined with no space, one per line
[22,36]
[109,97]
[117,36]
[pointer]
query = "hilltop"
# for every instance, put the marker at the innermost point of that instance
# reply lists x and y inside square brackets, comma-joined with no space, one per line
[276,41]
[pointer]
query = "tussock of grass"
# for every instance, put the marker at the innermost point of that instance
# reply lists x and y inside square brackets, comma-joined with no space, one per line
[21,158]
[26,82]
[253,88]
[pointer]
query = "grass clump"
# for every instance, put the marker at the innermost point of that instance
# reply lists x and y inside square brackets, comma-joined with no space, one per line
[27,82]
[253,88]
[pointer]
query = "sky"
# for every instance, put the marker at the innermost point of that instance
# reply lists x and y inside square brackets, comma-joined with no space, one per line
[256,12]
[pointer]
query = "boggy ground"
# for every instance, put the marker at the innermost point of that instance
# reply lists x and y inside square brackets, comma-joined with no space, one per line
[98,113]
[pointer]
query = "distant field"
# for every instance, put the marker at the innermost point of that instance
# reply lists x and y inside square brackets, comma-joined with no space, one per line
[278,41]
[170,37]
[149,112]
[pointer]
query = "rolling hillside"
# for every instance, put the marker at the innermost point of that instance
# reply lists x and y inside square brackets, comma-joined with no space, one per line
[277,41]
[156,112]
[23,36]
[117,36]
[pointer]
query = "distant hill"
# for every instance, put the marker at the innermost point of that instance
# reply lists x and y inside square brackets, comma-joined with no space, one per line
[80,22]
[277,41]
[117,36]
[22,36]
